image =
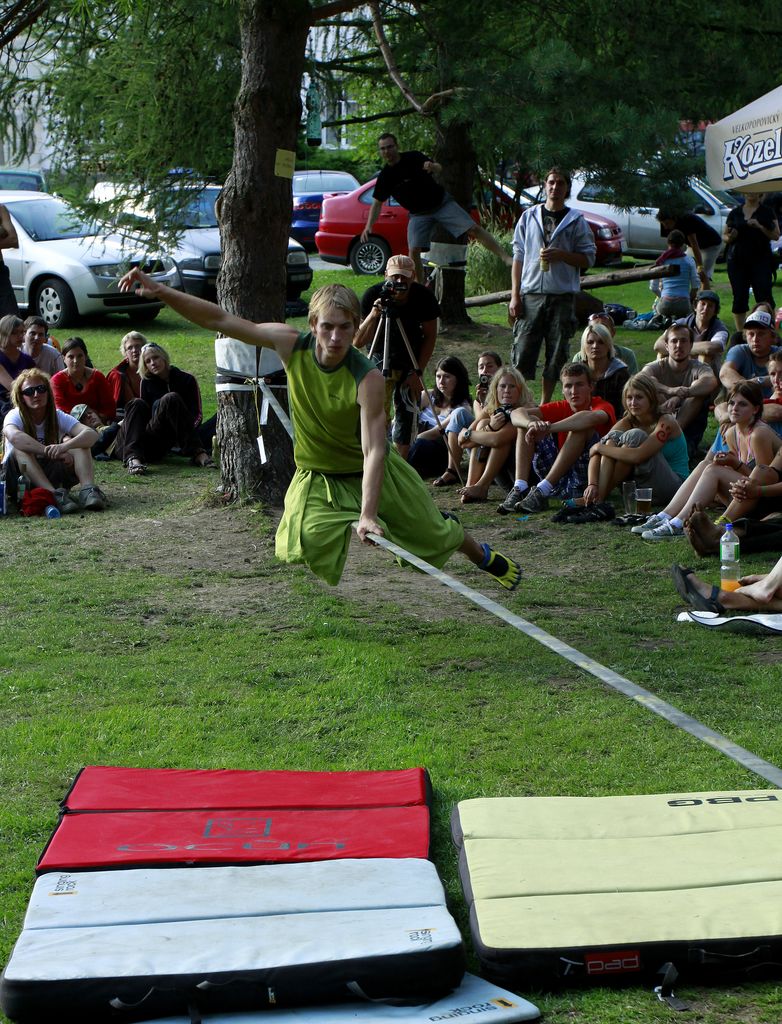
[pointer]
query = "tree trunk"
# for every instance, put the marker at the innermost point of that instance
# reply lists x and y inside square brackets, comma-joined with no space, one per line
[456,154]
[255,219]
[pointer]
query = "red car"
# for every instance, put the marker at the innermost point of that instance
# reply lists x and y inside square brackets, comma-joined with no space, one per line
[342,219]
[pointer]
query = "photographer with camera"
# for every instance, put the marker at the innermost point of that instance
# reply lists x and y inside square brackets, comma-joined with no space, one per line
[415,309]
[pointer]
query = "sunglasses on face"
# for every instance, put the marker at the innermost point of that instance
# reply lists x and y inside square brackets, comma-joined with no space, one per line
[35,389]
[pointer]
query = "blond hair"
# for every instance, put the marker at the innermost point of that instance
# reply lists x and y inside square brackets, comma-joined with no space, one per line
[604,333]
[526,398]
[334,296]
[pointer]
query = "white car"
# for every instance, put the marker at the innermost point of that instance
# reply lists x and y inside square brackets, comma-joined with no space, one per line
[65,268]
[639,225]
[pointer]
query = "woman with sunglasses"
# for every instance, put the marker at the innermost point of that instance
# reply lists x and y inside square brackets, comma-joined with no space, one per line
[81,384]
[49,446]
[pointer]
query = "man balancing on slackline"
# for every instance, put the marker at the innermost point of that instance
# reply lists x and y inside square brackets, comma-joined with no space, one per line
[345,469]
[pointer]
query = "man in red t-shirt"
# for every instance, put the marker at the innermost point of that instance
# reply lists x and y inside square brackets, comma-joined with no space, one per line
[555,439]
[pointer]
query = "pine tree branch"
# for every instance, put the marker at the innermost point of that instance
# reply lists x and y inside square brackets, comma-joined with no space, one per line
[424,108]
[19,17]
[371,117]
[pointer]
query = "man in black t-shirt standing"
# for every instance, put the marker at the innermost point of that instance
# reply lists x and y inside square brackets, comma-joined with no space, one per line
[416,309]
[408,177]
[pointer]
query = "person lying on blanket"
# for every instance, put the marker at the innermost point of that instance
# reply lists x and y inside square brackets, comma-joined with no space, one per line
[345,470]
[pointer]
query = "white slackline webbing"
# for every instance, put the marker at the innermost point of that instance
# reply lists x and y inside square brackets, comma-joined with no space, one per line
[745,758]
[250,385]
[282,415]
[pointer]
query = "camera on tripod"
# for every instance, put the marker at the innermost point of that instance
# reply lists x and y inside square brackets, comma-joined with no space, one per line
[388,289]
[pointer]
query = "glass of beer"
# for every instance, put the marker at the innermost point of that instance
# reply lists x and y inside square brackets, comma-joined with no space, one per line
[643,500]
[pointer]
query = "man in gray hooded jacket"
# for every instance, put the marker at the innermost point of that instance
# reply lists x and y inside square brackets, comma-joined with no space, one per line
[552,244]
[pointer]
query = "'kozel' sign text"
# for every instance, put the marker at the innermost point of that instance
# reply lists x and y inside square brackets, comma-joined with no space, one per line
[744,155]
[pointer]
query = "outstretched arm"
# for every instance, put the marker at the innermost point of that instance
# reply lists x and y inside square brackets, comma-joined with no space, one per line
[280,337]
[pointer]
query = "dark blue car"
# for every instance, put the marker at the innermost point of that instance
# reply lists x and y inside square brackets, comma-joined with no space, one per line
[308,190]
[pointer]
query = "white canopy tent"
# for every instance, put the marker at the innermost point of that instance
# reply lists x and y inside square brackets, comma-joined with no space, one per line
[744,150]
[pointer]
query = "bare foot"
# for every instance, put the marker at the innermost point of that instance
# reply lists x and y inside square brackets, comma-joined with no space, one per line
[472,493]
[702,533]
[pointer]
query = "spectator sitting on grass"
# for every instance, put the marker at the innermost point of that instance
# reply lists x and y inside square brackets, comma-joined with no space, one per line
[609,373]
[755,511]
[621,351]
[12,359]
[750,360]
[45,357]
[124,378]
[710,333]
[749,440]
[492,437]
[488,364]
[646,445]
[676,294]
[50,447]
[685,385]
[430,455]
[738,337]
[555,439]
[166,417]
[81,384]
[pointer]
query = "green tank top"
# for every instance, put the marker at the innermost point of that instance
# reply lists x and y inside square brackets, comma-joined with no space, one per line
[324,408]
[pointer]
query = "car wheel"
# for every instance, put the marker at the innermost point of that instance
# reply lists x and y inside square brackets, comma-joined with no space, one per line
[54,302]
[370,257]
[145,314]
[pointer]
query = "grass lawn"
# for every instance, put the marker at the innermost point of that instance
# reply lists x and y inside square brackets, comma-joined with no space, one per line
[163,633]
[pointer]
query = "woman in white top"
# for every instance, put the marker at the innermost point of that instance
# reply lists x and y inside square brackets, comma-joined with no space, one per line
[49,446]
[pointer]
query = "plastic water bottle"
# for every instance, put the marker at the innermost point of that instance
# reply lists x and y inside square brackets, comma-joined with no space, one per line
[52,512]
[730,567]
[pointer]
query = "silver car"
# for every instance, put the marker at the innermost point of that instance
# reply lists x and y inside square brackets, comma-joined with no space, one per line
[65,268]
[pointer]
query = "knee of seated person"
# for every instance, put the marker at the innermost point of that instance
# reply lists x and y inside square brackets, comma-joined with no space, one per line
[634,437]
[171,398]
[460,419]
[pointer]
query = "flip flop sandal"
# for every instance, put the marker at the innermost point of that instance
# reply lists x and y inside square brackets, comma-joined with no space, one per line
[702,603]
[447,479]
[693,597]
[680,575]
